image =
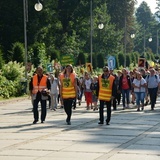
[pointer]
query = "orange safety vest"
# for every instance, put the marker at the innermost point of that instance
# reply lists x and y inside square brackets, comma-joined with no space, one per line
[39,87]
[105,88]
[68,90]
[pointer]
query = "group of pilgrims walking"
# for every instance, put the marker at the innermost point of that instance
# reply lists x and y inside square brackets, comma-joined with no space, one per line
[139,87]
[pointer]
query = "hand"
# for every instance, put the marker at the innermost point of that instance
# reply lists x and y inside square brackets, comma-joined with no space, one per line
[112,97]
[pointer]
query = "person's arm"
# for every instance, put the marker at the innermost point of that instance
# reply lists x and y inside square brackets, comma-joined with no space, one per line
[60,88]
[48,84]
[75,87]
[31,86]
[97,89]
[114,89]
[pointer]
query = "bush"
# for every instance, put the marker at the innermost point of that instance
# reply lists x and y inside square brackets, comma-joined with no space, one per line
[10,80]
[12,71]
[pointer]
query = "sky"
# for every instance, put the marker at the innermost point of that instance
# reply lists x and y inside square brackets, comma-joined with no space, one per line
[151,4]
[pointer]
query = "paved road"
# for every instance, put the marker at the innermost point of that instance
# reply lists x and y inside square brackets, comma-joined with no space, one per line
[131,135]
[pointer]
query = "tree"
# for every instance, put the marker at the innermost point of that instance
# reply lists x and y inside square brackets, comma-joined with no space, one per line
[17,52]
[147,27]
[81,60]
[118,10]
[121,59]
[1,59]
[144,15]
[100,60]
[11,28]
[128,60]
[38,54]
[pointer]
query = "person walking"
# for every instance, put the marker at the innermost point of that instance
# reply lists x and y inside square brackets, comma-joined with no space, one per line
[93,88]
[153,83]
[68,90]
[54,92]
[139,85]
[87,91]
[39,89]
[125,87]
[106,93]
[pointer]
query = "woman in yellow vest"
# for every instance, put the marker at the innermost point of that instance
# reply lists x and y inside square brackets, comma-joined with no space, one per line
[68,90]
[106,92]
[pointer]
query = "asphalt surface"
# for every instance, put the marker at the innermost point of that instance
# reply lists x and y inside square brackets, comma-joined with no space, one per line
[131,135]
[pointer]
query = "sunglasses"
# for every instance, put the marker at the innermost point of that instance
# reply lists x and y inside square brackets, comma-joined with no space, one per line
[105,70]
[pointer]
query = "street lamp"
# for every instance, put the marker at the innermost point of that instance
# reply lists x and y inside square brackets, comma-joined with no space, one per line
[132,36]
[38,7]
[100,27]
[125,41]
[157,43]
[91,28]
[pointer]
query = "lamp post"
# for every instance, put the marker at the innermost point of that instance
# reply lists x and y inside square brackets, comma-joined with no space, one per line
[157,43]
[125,41]
[38,7]
[100,27]
[91,32]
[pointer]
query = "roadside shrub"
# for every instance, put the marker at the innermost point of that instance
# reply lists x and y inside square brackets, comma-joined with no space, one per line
[10,80]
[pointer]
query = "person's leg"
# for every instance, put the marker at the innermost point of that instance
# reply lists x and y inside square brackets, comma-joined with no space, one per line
[68,109]
[52,101]
[35,110]
[87,99]
[49,100]
[108,112]
[152,97]
[114,103]
[127,96]
[118,98]
[74,103]
[90,99]
[43,110]
[55,101]
[138,94]
[101,115]
[142,97]
[123,98]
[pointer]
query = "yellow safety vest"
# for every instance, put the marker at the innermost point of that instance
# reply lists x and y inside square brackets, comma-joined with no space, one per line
[68,90]
[105,88]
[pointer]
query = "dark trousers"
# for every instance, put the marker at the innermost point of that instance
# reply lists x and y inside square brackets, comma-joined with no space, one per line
[101,114]
[118,97]
[74,103]
[125,94]
[68,108]
[43,108]
[153,95]
[114,104]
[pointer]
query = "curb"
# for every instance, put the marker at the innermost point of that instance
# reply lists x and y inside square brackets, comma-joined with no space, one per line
[13,100]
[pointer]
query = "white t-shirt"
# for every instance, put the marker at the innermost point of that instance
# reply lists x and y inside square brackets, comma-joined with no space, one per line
[54,86]
[137,83]
[88,84]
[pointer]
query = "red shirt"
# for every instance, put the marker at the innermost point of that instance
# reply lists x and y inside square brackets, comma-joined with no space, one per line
[125,84]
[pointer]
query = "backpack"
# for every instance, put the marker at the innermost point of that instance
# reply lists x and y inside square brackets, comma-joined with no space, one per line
[149,76]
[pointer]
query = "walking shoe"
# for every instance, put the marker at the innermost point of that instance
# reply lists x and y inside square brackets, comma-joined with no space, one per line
[62,106]
[107,123]
[68,123]
[100,122]
[35,121]
[138,109]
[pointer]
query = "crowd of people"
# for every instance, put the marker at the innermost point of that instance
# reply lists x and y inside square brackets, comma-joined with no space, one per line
[139,87]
